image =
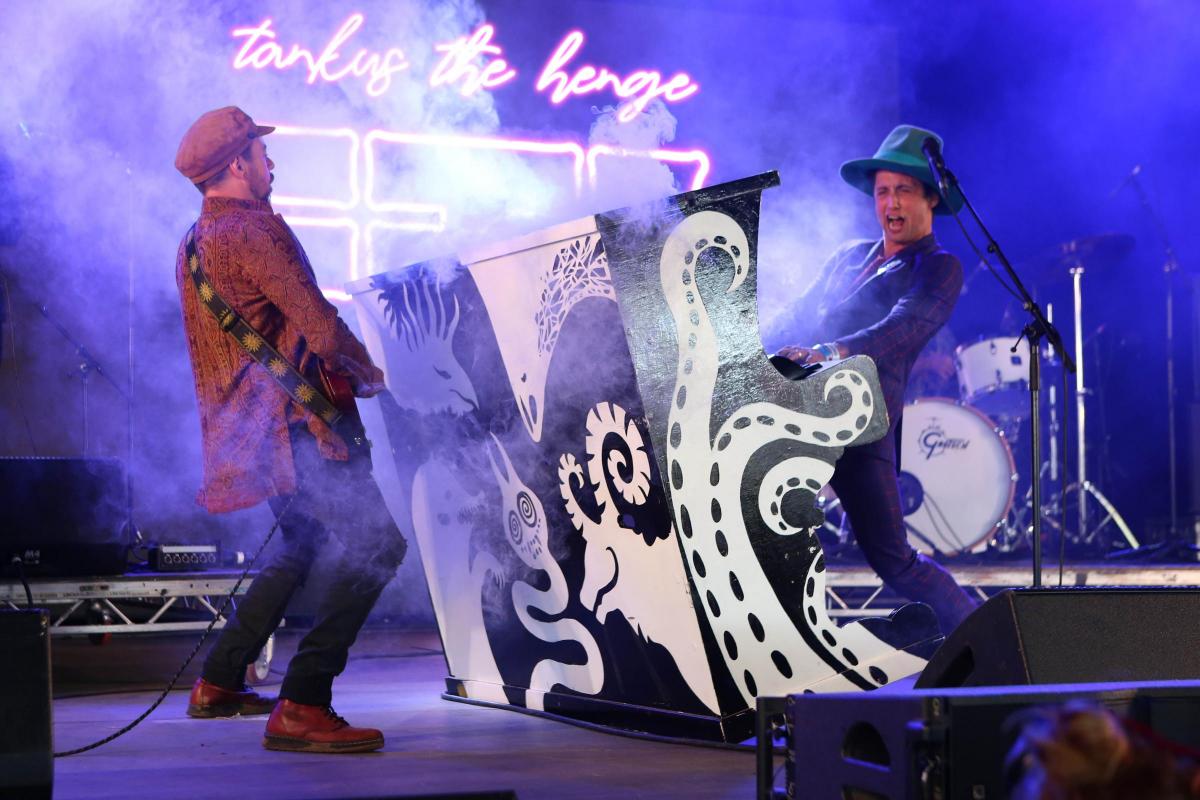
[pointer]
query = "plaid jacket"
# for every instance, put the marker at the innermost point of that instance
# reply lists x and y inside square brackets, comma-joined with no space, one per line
[888,312]
[256,264]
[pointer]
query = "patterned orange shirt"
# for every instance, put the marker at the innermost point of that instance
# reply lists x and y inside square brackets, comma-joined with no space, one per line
[254,261]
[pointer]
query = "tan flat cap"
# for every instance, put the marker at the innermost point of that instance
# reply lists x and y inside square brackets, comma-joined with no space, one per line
[214,140]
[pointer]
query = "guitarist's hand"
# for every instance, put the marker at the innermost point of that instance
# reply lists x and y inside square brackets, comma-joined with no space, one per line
[370,384]
[369,389]
[365,380]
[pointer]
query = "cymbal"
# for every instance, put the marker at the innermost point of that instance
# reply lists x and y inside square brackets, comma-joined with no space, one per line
[1103,250]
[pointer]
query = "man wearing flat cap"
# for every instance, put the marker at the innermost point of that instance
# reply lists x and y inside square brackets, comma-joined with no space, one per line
[264,442]
[886,298]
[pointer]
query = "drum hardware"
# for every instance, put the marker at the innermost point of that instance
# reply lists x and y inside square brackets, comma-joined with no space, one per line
[1106,248]
[1037,328]
[1012,535]
[1016,530]
[1169,268]
[991,378]
[1089,534]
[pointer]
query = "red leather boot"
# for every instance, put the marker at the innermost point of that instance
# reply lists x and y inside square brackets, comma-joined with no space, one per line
[210,700]
[316,729]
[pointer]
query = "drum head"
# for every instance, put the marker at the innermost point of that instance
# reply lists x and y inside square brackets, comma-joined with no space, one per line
[960,476]
[993,378]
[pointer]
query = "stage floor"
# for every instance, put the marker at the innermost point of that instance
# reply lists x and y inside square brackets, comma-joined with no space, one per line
[393,682]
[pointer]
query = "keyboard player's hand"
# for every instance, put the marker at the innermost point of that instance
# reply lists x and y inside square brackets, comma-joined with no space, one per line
[800,355]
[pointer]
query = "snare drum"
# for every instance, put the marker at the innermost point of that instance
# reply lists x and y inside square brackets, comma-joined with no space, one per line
[958,476]
[994,379]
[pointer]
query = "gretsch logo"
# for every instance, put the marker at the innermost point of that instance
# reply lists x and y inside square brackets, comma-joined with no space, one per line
[933,441]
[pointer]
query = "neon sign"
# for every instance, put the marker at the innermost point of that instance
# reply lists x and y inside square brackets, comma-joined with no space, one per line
[458,63]
[639,87]
[364,215]
[471,63]
[268,53]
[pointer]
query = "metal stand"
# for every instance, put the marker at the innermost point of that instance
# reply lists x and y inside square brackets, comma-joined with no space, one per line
[1170,267]
[1037,327]
[87,365]
[1033,332]
[1083,487]
[770,715]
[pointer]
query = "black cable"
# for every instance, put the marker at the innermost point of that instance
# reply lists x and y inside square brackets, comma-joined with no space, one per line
[204,636]
[983,259]
[953,534]
[24,580]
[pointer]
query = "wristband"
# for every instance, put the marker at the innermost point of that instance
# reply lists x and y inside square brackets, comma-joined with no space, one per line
[827,350]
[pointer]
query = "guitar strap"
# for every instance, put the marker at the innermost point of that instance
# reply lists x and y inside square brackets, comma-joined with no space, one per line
[301,391]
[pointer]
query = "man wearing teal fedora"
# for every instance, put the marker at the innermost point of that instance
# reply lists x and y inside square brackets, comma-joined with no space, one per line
[885,299]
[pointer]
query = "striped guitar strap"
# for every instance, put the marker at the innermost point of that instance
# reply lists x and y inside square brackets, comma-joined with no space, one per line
[302,392]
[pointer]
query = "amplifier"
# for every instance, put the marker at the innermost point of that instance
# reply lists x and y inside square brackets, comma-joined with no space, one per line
[26,740]
[64,517]
[184,557]
[945,744]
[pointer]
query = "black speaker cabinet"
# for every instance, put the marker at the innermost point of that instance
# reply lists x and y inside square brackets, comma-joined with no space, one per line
[1034,636]
[63,516]
[26,749]
[946,744]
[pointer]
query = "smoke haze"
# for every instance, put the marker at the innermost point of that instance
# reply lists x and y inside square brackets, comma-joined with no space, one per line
[1044,108]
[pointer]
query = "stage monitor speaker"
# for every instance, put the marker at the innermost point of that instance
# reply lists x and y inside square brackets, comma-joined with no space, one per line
[26,749]
[500,794]
[1035,636]
[63,516]
[947,743]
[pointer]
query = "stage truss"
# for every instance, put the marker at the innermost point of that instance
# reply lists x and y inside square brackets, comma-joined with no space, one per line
[136,603]
[856,591]
[851,591]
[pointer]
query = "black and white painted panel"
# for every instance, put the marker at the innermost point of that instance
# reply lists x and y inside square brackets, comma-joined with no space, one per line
[745,449]
[539,389]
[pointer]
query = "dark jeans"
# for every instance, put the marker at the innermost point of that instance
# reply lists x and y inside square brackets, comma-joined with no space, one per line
[333,496]
[865,482]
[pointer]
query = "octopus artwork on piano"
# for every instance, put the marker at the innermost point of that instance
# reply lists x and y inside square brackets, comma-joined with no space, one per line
[611,489]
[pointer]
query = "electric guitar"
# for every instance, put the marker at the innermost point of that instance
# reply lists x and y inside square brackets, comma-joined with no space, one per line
[340,394]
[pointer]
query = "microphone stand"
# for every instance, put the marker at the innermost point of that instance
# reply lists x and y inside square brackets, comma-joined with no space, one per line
[1035,330]
[1170,267]
[87,365]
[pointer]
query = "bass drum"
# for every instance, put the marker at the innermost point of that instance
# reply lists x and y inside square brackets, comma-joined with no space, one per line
[957,476]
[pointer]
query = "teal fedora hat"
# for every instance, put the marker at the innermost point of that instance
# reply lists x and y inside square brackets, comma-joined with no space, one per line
[900,152]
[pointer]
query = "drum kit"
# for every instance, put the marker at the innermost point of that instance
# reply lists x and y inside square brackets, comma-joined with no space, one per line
[959,481]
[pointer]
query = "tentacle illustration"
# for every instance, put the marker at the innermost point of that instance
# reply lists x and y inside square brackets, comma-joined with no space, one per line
[763,649]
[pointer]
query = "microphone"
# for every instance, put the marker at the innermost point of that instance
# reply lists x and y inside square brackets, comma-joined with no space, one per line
[937,165]
[1130,178]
